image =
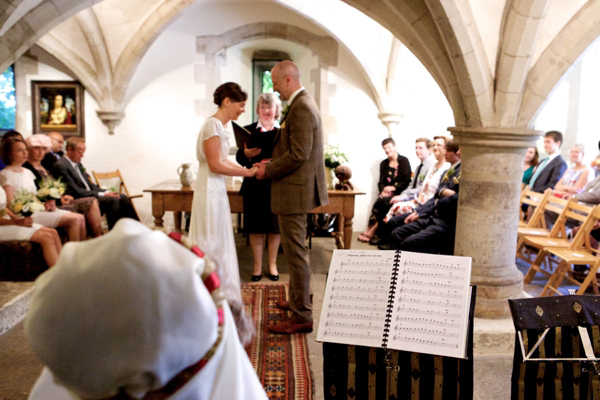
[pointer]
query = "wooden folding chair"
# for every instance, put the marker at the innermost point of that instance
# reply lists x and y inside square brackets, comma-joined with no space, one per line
[536,200]
[579,252]
[536,226]
[556,239]
[115,175]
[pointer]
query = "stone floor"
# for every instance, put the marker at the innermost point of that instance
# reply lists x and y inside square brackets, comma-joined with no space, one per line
[493,338]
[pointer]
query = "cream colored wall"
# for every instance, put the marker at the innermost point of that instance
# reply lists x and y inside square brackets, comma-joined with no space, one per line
[572,107]
[160,128]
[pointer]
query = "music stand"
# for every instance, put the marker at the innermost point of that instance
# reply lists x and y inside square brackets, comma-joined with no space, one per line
[557,347]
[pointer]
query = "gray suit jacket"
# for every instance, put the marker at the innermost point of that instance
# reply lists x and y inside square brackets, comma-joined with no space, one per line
[297,171]
[591,193]
[411,192]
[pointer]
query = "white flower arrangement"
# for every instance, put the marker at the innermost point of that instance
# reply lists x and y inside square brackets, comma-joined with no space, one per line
[26,203]
[334,157]
[50,189]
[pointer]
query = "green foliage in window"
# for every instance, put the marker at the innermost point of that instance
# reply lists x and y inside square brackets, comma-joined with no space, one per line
[267,83]
[8,103]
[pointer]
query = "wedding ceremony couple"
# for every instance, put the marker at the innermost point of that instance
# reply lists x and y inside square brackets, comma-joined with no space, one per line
[165,290]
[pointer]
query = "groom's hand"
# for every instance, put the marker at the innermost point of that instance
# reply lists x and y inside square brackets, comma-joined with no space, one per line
[261,172]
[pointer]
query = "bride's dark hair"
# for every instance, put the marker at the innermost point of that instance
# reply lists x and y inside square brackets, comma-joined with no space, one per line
[231,90]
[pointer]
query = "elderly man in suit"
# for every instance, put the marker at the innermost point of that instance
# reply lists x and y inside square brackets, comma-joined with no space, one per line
[69,168]
[551,168]
[297,173]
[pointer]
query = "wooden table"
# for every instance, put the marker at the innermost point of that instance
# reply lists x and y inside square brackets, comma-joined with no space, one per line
[171,196]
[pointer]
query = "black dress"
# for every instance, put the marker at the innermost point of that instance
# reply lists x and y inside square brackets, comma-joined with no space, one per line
[258,217]
[398,177]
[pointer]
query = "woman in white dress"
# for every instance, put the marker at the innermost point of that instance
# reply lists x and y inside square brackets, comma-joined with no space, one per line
[14,178]
[211,227]
[15,228]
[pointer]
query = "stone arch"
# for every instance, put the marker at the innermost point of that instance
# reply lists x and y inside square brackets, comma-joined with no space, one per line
[324,47]
[411,22]
[521,29]
[560,56]
[37,21]
[462,40]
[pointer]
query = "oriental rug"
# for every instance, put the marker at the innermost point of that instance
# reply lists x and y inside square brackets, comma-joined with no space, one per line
[281,361]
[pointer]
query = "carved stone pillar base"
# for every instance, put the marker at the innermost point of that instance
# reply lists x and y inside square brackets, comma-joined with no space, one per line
[488,204]
[111,119]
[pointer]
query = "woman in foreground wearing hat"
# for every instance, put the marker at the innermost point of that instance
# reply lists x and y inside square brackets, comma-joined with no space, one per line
[38,145]
[145,317]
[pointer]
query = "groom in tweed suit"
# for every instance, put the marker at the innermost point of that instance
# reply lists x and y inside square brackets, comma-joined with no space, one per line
[297,173]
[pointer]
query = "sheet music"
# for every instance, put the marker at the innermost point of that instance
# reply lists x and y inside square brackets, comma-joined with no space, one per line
[356,297]
[431,304]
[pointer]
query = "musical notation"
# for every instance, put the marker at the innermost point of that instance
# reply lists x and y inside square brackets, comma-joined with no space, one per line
[413,310]
[423,308]
[432,303]
[357,325]
[330,333]
[427,321]
[426,331]
[433,293]
[425,342]
[353,315]
[344,288]
[350,297]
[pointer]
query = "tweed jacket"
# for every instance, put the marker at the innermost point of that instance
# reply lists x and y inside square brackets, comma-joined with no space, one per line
[297,171]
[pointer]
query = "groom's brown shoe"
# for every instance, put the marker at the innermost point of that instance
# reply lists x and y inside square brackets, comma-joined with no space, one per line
[291,327]
[283,304]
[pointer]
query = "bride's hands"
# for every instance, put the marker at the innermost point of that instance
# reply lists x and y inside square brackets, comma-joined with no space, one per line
[251,172]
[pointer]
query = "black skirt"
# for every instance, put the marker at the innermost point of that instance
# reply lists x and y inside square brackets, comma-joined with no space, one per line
[258,217]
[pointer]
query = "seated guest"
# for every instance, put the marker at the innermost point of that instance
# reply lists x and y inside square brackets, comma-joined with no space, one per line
[56,150]
[87,206]
[431,228]
[14,179]
[69,168]
[423,151]
[577,177]
[432,180]
[394,177]
[531,161]
[144,320]
[6,136]
[551,168]
[13,227]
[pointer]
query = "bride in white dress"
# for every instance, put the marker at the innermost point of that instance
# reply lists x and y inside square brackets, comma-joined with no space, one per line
[211,227]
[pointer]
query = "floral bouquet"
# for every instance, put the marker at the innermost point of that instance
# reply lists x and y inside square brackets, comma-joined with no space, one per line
[334,157]
[50,189]
[26,203]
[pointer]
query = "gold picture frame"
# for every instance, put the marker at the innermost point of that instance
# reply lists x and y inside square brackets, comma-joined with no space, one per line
[57,106]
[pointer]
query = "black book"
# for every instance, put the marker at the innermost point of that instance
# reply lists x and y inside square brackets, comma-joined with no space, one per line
[242,136]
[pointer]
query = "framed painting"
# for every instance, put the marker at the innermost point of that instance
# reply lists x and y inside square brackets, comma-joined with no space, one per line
[57,106]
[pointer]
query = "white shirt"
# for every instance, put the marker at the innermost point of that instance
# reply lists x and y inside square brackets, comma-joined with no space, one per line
[293,96]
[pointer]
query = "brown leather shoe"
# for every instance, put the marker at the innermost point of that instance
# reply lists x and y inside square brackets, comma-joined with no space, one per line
[287,328]
[283,304]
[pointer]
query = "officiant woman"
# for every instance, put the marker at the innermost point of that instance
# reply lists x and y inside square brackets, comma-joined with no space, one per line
[259,221]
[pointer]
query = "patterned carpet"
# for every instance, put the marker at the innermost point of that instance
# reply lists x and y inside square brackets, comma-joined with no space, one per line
[281,361]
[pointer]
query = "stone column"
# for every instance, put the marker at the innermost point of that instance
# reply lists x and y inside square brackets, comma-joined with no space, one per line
[488,203]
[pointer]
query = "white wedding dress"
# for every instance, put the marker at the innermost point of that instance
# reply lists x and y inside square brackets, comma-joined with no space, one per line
[210,227]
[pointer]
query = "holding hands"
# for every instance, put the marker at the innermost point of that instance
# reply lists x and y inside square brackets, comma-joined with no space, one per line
[261,170]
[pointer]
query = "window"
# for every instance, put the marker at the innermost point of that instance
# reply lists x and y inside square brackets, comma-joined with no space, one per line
[262,63]
[8,103]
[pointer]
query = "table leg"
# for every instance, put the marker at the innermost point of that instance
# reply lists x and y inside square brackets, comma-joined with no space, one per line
[177,220]
[339,233]
[347,233]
